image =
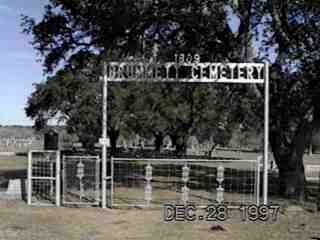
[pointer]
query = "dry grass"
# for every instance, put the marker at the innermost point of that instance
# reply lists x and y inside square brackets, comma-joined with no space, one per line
[19,221]
[12,167]
[13,163]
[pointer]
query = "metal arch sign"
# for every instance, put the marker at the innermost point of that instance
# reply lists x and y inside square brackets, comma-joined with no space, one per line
[186,68]
[182,70]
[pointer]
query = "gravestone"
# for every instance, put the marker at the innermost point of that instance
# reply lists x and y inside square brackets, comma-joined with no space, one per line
[14,190]
[193,146]
[167,143]
[51,140]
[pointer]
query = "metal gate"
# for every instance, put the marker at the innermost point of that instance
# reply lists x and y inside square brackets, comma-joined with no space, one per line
[44,178]
[81,180]
[140,181]
[154,182]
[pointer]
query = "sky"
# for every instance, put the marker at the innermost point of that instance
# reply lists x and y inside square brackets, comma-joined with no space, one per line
[18,65]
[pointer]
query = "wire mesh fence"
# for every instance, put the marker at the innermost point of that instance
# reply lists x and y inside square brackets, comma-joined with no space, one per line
[141,182]
[43,178]
[152,182]
[312,172]
[81,180]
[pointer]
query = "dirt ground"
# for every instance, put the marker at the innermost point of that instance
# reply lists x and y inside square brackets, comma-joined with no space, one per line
[20,221]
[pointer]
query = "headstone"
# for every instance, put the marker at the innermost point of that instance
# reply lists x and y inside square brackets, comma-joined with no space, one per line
[167,142]
[51,140]
[14,191]
[193,146]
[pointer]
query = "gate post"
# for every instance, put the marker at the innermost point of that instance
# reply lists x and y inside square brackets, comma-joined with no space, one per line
[104,139]
[97,179]
[111,187]
[29,177]
[266,134]
[58,169]
[64,179]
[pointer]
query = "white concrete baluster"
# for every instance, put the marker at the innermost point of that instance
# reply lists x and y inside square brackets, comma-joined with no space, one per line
[148,187]
[80,174]
[220,179]
[185,178]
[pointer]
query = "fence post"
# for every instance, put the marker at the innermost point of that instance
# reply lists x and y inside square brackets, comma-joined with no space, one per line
[29,181]
[111,187]
[58,169]
[148,187]
[257,182]
[266,134]
[97,178]
[64,179]
[318,193]
[104,137]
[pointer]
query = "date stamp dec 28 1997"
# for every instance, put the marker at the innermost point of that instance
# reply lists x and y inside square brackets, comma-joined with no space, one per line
[212,212]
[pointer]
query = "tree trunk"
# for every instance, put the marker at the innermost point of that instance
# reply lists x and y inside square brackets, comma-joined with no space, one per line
[113,134]
[181,148]
[180,144]
[212,150]
[88,141]
[289,159]
[292,178]
[174,139]
[158,141]
[310,151]
[88,145]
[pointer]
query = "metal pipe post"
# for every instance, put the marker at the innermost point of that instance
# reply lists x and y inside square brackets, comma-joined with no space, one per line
[104,137]
[29,177]
[58,169]
[259,160]
[111,187]
[266,134]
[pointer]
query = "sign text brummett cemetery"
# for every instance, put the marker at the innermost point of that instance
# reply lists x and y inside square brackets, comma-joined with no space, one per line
[183,69]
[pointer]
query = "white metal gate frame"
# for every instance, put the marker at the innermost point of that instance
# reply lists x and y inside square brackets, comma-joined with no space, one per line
[50,178]
[75,158]
[57,175]
[116,72]
[188,163]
